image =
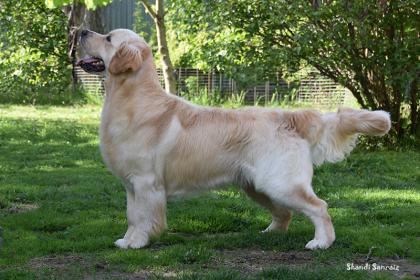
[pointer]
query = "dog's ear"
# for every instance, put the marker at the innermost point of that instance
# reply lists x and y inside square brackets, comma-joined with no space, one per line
[129,57]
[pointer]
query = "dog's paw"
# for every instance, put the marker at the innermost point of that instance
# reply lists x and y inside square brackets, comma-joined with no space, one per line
[317,244]
[131,243]
[136,244]
[266,230]
[279,227]
[121,243]
[270,229]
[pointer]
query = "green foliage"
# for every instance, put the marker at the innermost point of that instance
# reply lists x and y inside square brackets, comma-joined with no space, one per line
[203,97]
[216,43]
[214,47]
[368,46]
[145,27]
[90,4]
[33,57]
[192,84]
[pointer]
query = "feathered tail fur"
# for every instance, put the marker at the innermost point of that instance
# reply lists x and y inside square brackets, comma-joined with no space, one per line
[333,135]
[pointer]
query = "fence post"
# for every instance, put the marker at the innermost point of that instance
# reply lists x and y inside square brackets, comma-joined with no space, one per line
[209,82]
[278,86]
[198,78]
[178,90]
[220,83]
[266,91]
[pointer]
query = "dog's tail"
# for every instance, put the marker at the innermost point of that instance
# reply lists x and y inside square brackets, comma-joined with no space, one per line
[351,121]
[333,135]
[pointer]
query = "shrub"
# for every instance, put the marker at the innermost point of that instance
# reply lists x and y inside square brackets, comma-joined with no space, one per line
[34,67]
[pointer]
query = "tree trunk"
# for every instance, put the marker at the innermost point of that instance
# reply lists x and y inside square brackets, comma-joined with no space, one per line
[417,132]
[78,18]
[74,13]
[94,20]
[414,108]
[168,72]
[159,19]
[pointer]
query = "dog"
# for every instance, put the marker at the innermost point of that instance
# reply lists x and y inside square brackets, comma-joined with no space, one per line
[161,145]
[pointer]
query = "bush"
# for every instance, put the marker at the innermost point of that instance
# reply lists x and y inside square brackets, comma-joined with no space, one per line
[34,67]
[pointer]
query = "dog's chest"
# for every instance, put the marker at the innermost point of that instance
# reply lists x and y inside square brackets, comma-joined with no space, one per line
[135,147]
[112,135]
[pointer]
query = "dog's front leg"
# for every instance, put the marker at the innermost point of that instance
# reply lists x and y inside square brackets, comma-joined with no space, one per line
[146,211]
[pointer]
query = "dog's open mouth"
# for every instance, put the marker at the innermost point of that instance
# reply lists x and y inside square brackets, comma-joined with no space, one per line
[91,64]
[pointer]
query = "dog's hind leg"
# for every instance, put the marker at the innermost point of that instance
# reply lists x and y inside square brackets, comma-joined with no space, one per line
[146,211]
[281,216]
[302,198]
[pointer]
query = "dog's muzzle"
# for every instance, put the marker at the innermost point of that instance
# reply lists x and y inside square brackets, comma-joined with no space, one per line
[89,63]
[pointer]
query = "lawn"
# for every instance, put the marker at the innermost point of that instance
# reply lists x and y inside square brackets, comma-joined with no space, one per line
[61,211]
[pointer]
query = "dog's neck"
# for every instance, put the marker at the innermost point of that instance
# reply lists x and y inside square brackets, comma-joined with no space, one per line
[145,81]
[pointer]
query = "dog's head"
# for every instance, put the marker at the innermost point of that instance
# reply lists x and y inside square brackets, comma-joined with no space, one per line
[120,51]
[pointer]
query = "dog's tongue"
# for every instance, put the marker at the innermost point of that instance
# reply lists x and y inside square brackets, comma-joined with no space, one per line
[86,60]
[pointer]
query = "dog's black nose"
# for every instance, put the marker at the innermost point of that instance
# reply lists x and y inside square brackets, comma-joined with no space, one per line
[84,33]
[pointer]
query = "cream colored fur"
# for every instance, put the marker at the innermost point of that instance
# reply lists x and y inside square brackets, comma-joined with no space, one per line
[161,145]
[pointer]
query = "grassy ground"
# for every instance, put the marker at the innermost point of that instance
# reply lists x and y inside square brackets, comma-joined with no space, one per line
[61,211]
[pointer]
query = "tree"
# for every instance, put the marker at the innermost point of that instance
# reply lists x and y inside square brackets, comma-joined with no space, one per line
[158,15]
[79,16]
[211,43]
[86,14]
[368,46]
[32,64]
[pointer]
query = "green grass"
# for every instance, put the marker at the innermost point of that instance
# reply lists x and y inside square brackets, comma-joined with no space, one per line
[61,211]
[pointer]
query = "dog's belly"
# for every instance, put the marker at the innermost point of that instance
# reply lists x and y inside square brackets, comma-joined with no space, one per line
[185,188]
[201,162]
[185,178]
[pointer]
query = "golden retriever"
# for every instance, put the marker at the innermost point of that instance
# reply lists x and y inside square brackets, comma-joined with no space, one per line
[161,145]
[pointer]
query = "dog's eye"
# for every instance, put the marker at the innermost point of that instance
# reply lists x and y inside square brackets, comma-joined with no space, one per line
[108,38]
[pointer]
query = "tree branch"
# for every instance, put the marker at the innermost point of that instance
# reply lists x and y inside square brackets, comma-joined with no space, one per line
[160,9]
[149,9]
